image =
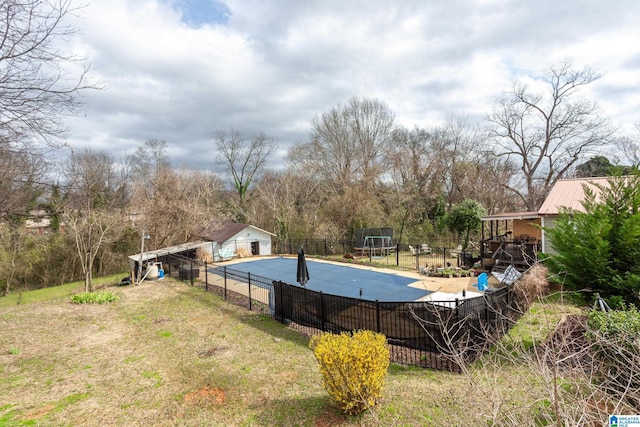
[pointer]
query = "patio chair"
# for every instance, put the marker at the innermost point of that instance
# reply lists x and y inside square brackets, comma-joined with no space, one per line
[509,276]
[483,282]
[226,254]
[413,250]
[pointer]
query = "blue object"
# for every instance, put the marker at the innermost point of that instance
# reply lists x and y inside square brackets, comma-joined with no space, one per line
[161,273]
[483,282]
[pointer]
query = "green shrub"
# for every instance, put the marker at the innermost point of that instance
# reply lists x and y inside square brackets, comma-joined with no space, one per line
[616,324]
[93,298]
[598,247]
[616,338]
[353,367]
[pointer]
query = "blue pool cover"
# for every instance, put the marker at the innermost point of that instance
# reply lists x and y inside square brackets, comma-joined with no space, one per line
[337,279]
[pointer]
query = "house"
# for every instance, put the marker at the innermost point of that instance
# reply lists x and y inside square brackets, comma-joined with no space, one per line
[566,193]
[515,238]
[233,237]
[39,221]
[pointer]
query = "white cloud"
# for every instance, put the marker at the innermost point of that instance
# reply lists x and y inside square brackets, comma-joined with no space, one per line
[269,66]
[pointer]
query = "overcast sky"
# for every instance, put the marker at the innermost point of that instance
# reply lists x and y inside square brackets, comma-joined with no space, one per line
[178,70]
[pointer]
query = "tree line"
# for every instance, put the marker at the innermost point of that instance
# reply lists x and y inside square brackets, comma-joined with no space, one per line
[356,169]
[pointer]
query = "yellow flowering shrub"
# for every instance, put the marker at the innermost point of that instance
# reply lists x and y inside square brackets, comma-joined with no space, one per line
[353,367]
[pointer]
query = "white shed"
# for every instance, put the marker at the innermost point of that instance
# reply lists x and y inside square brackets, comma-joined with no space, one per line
[236,237]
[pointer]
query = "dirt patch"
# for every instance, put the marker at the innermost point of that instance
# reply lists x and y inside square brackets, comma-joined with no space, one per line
[38,413]
[210,352]
[206,396]
[329,418]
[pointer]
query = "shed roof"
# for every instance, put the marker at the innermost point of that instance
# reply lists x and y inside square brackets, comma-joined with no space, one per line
[569,193]
[147,255]
[220,233]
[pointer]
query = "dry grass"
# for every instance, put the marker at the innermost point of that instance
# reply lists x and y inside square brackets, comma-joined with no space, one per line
[532,286]
[203,255]
[162,355]
[243,253]
[169,354]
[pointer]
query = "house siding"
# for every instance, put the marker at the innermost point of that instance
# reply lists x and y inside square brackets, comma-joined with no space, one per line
[245,238]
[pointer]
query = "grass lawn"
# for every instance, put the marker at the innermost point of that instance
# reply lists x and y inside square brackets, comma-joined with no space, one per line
[166,353]
[57,292]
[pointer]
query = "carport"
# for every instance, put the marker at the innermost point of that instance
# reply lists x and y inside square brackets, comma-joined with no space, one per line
[171,256]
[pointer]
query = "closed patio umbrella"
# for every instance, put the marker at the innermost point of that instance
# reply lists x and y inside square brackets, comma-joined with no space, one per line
[303,272]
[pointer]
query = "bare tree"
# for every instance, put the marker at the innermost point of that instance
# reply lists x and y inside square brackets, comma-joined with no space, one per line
[10,247]
[39,83]
[36,86]
[347,154]
[91,229]
[432,169]
[95,179]
[181,202]
[96,189]
[629,147]
[417,179]
[244,158]
[348,144]
[287,204]
[459,150]
[22,174]
[490,179]
[149,160]
[546,133]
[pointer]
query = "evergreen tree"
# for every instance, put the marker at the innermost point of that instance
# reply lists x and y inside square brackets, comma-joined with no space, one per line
[598,249]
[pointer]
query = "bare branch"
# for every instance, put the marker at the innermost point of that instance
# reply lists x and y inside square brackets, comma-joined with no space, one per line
[39,83]
[548,133]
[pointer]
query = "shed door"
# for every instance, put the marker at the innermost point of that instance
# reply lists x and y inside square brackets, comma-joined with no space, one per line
[255,248]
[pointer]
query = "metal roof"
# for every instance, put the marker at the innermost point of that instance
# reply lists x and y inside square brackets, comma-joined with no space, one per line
[569,193]
[221,232]
[566,193]
[147,255]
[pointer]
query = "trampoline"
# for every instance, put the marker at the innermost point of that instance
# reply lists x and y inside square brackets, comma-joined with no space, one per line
[337,279]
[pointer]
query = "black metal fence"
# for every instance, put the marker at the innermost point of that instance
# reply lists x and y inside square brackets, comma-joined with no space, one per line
[415,257]
[433,334]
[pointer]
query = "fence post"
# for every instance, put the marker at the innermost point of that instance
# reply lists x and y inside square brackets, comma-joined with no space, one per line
[486,308]
[322,311]
[278,304]
[249,280]
[378,316]
[225,282]
[417,258]
[191,275]
[397,254]
[206,277]
[444,257]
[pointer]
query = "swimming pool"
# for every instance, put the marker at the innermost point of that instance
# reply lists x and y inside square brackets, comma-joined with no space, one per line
[337,279]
